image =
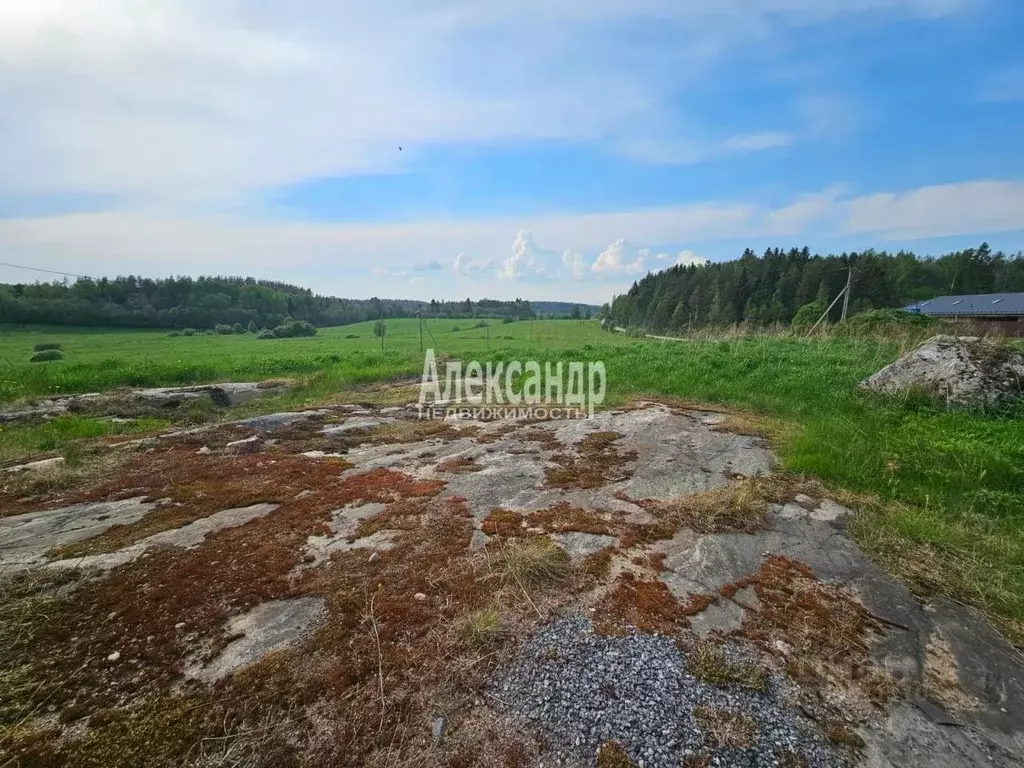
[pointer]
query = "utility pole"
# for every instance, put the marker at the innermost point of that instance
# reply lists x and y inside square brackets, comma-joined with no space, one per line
[488,326]
[420,314]
[846,297]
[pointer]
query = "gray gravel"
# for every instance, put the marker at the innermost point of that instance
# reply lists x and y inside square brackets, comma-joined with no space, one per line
[581,689]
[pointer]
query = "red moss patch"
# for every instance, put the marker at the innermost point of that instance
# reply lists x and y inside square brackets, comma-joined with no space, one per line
[595,463]
[503,522]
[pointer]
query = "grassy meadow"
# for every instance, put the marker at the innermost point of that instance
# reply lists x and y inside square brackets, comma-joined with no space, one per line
[940,493]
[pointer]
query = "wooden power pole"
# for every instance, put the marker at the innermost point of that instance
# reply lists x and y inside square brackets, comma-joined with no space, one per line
[846,297]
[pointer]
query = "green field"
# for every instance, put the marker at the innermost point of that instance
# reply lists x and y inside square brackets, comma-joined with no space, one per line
[942,492]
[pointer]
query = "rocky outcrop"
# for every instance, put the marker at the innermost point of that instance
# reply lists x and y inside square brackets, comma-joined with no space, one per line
[960,370]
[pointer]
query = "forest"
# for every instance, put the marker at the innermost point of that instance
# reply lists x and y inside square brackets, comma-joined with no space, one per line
[774,287]
[206,302]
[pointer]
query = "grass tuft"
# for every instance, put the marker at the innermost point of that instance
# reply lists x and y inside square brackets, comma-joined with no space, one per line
[710,664]
[536,562]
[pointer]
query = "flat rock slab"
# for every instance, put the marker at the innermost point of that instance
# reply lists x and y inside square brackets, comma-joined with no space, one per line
[582,544]
[360,422]
[224,394]
[24,539]
[676,454]
[988,669]
[267,628]
[274,421]
[186,537]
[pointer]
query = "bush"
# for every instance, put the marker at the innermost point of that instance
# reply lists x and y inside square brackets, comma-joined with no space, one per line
[294,328]
[44,355]
[253,328]
[507,320]
[456,328]
[482,324]
[266,333]
[188,332]
[46,346]
[808,314]
[379,329]
[173,334]
[223,330]
[352,336]
[881,321]
[238,328]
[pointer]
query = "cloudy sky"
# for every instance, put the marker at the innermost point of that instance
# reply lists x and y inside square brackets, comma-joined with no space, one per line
[549,149]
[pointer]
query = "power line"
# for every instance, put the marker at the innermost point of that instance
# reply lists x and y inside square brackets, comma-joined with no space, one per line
[39,269]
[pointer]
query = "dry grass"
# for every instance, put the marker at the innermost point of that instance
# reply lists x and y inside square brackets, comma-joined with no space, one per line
[611,755]
[726,729]
[841,733]
[482,626]
[26,491]
[535,563]
[565,518]
[710,664]
[459,465]
[739,507]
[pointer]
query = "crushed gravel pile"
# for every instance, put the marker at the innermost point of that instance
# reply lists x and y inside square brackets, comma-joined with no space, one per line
[583,690]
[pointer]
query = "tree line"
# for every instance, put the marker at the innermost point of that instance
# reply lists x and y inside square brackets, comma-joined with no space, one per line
[773,287]
[208,302]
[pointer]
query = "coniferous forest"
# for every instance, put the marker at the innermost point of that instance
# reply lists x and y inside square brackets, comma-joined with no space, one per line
[773,287]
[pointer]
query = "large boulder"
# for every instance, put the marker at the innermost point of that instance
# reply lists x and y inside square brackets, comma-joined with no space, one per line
[961,370]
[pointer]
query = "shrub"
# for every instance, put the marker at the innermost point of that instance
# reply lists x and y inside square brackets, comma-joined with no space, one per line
[266,333]
[238,328]
[456,328]
[47,345]
[294,328]
[223,330]
[808,314]
[881,321]
[481,324]
[507,320]
[351,335]
[379,329]
[188,332]
[44,355]
[173,334]
[253,328]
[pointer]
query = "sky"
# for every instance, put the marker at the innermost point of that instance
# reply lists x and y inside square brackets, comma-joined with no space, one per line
[544,149]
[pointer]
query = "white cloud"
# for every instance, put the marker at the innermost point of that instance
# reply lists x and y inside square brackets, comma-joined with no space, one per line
[938,211]
[755,142]
[529,261]
[179,102]
[467,266]
[574,264]
[688,258]
[619,258]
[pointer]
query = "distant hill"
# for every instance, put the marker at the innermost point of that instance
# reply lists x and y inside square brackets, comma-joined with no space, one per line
[204,302]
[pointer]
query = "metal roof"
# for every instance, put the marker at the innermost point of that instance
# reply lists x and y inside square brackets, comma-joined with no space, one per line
[982,304]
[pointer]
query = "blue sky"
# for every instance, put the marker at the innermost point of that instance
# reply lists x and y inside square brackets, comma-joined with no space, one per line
[550,151]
